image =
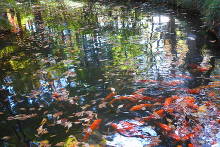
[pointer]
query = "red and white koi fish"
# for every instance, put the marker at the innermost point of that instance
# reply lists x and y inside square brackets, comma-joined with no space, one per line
[188,136]
[181,76]
[95,125]
[156,115]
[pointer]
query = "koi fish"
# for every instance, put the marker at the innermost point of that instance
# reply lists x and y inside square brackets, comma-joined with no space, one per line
[168,101]
[126,128]
[173,83]
[137,96]
[120,130]
[56,95]
[189,100]
[174,136]
[159,112]
[123,98]
[211,94]
[147,81]
[199,68]
[188,136]
[148,118]
[197,128]
[138,107]
[164,127]
[181,76]
[127,131]
[156,114]
[95,125]
[193,106]
[202,69]
[127,125]
[193,91]
[139,91]
[170,110]
[215,76]
[109,96]
[210,86]
[190,145]
[151,99]
[142,97]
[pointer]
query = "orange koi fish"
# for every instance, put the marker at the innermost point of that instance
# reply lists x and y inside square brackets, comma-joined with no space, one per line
[215,76]
[210,86]
[155,115]
[151,99]
[164,127]
[202,69]
[193,106]
[173,83]
[174,136]
[197,128]
[191,145]
[139,91]
[212,94]
[109,96]
[159,112]
[147,98]
[149,117]
[188,136]
[142,97]
[138,107]
[199,68]
[193,91]
[56,95]
[189,100]
[170,110]
[168,101]
[95,125]
[124,98]
[137,96]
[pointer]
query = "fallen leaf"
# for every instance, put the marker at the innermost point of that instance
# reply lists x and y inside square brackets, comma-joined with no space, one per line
[102,105]
[60,144]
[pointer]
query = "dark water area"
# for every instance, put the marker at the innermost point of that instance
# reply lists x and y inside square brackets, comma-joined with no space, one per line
[107,74]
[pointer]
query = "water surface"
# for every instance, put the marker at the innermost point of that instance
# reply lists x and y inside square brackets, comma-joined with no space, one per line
[64,58]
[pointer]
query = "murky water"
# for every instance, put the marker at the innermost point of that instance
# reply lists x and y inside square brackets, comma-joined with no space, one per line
[68,65]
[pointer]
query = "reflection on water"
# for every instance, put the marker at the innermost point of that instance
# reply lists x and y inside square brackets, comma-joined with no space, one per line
[63,58]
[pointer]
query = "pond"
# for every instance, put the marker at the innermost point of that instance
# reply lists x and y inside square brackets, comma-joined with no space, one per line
[128,74]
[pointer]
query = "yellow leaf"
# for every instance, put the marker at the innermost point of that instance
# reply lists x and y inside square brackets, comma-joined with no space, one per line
[202,108]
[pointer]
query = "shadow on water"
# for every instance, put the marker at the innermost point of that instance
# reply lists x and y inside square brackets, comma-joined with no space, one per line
[107,73]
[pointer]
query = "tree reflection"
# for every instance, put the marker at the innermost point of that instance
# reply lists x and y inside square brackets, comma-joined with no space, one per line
[63,60]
